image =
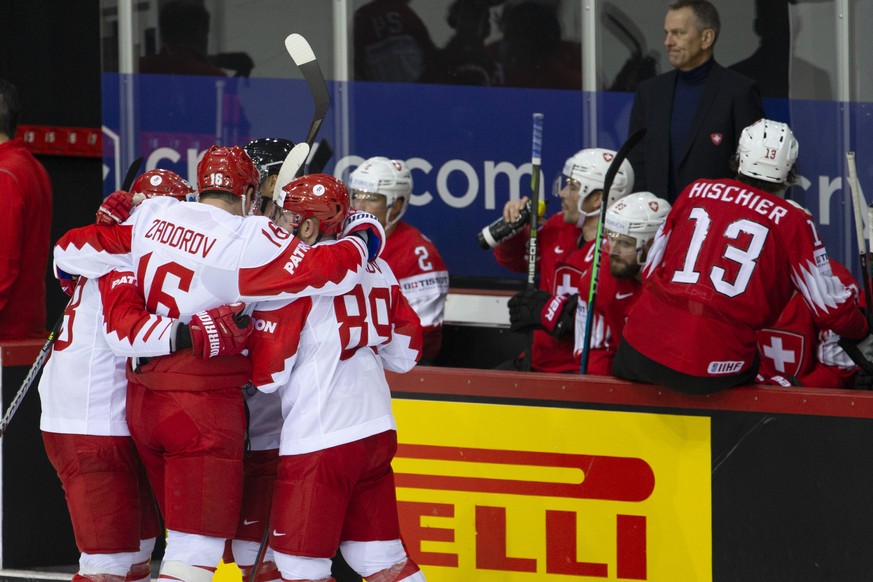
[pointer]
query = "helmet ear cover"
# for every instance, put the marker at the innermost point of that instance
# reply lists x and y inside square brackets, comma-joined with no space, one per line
[316,195]
[767,151]
[160,182]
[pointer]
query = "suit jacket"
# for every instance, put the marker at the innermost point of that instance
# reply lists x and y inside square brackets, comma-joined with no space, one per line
[730,102]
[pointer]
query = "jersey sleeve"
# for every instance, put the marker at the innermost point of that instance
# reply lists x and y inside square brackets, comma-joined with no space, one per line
[300,270]
[403,351]
[832,304]
[12,227]
[92,251]
[274,343]
[511,252]
[129,329]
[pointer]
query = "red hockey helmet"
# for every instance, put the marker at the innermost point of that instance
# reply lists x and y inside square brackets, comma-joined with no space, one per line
[227,169]
[160,182]
[318,195]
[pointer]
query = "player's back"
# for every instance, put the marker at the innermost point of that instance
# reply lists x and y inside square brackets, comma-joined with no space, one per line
[188,256]
[720,269]
[327,356]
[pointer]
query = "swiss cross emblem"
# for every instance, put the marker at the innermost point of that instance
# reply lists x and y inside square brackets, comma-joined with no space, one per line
[782,349]
[653,205]
[716,138]
[608,156]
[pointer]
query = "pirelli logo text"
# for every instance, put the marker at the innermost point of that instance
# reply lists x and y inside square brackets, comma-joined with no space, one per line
[547,511]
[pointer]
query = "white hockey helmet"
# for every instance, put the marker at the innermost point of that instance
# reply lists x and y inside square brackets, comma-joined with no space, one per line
[767,151]
[589,166]
[638,215]
[390,178]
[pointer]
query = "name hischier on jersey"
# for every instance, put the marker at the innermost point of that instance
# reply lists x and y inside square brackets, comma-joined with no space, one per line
[740,196]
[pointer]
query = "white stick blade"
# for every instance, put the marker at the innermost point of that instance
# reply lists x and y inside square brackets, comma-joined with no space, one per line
[293,161]
[299,49]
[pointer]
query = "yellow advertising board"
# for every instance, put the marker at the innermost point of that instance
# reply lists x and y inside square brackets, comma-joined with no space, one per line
[505,493]
[517,493]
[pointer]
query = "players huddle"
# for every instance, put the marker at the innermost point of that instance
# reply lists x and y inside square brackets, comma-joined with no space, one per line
[159,341]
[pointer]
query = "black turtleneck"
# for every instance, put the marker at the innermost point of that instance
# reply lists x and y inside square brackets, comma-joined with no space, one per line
[686,98]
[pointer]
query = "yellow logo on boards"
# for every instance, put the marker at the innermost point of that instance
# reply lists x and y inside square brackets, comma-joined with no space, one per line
[516,493]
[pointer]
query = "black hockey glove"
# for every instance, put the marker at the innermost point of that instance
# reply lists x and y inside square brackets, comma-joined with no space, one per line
[860,351]
[525,310]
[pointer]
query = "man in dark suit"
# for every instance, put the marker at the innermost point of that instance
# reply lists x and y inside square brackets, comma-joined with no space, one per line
[695,113]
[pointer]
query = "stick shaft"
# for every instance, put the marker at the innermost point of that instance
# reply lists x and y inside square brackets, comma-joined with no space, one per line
[535,162]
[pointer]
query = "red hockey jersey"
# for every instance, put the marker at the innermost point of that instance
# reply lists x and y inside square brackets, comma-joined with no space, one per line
[722,267]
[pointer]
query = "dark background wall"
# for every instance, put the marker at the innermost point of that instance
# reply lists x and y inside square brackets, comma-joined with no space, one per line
[51,51]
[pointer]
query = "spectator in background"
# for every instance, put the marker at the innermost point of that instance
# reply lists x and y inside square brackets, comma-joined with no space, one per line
[383,188]
[25,228]
[532,52]
[695,113]
[391,43]
[184,30]
[724,265]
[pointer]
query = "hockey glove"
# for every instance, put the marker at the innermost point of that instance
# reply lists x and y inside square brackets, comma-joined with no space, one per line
[220,331]
[860,352]
[559,315]
[368,228]
[115,209]
[68,282]
[526,308]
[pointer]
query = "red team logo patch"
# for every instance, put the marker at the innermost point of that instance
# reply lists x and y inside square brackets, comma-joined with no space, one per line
[716,138]
[607,156]
[653,205]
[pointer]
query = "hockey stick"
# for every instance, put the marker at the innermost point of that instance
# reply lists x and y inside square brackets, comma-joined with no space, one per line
[302,55]
[319,157]
[289,169]
[858,206]
[56,329]
[620,156]
[535,163]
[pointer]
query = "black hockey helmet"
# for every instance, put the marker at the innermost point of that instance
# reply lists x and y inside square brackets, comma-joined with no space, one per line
[268,153]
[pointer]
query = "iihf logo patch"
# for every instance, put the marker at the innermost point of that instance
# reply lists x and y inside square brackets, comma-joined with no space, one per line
[318,190]
[716,138]
[155,180]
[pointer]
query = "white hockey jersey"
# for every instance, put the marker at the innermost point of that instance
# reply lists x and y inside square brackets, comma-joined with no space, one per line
[327,355]
[188,257]
[83,386]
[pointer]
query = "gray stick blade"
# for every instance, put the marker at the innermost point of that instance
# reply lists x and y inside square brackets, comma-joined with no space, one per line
[293,162]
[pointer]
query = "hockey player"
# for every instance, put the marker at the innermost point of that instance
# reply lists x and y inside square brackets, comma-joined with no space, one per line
[82,392]
[383,187]
[185,414]
[795,351]
[326,357]
[268,153]
[561,260]
[630,227]
[723,266]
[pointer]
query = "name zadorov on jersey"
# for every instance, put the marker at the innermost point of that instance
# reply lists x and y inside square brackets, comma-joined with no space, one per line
[179,237]
[739,196]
